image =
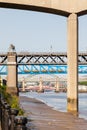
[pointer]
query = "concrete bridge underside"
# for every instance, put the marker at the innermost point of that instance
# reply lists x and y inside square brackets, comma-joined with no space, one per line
[70,9]
[60,7]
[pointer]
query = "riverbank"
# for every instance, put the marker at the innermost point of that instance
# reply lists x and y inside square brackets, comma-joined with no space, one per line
[45,118]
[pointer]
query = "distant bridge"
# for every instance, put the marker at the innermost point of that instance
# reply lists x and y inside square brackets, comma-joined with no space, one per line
[43,63]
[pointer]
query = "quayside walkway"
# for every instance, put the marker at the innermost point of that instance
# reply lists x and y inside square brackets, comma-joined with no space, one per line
[44,118]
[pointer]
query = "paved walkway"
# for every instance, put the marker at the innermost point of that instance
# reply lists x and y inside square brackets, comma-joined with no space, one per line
[45,118]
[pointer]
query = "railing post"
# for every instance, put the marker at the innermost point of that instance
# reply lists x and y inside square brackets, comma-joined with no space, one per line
[3,114]
[0,111]
[0,108]
[7,116]
[13,113]
[20,123]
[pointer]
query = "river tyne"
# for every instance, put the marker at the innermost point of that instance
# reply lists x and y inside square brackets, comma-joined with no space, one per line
[58,101]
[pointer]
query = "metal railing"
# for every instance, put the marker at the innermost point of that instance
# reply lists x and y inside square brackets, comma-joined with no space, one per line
[9,118]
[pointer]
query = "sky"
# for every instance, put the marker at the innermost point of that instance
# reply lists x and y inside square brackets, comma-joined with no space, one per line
[37,32]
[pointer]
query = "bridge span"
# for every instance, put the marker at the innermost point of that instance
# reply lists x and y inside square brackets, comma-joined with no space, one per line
[42,63]
[39,58]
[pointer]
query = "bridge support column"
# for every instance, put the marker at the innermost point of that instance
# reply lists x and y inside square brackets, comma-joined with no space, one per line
[57,85]
[41,86]
[72,54]
[12,73]
[23,85]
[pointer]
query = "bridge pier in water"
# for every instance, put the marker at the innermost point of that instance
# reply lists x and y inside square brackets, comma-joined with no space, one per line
[72,54]
[57,85]
[12,72]
[40,86]
[23,85]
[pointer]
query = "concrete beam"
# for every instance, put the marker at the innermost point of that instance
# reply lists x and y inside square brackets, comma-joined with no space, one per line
[60,7]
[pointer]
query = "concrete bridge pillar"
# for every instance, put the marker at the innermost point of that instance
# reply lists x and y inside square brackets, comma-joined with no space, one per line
[57,85]
[72,54]
[23,85]
[40,85]
[12,71]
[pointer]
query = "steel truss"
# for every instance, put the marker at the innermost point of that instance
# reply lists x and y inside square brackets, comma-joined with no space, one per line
[43,69]
[43,58]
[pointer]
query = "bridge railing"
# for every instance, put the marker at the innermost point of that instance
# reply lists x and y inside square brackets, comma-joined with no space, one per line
[9,119]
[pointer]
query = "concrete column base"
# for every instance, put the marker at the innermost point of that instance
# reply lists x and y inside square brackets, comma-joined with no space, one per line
[12,90]
[40,91]
[56,91]
[72,106]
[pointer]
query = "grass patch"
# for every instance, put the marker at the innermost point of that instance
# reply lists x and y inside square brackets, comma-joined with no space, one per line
[13,101]
[83,83]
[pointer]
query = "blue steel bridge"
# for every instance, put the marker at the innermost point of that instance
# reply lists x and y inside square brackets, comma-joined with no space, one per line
[42,63]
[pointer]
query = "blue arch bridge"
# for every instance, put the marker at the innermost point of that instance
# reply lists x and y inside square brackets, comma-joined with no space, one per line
[42,63]
[43,69]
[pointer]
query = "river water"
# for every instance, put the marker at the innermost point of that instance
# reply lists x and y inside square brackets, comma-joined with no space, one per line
[58,101]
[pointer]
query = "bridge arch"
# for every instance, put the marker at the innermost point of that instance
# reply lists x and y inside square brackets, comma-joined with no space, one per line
[59,7]
[33,7]
[83,12]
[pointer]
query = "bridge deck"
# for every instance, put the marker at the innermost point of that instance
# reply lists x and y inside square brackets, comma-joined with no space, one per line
[43,58]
